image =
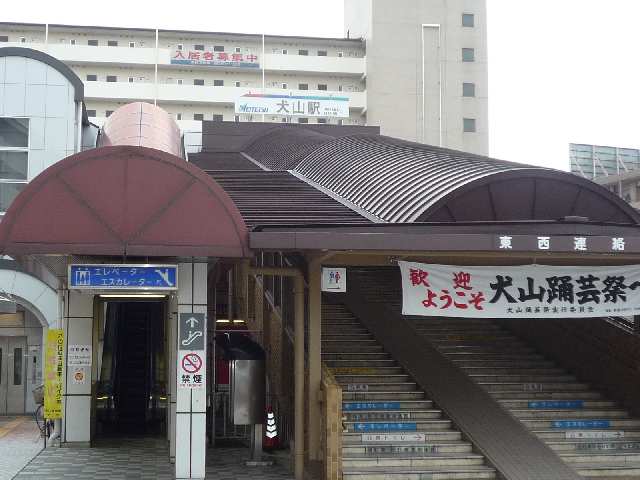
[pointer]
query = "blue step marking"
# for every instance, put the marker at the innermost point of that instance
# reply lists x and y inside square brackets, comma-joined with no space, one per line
[371,406]
[385,427]
[557,404]
[586,424]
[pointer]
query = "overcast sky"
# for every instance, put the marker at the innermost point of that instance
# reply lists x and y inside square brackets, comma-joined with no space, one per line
[560,71]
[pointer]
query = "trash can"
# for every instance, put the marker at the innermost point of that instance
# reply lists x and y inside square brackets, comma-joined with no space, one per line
[246,378]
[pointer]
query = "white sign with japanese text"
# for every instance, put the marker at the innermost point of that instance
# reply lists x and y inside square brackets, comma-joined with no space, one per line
[293,105]
[527,291]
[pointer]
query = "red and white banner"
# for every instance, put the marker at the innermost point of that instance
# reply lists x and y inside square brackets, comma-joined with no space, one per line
[526,291]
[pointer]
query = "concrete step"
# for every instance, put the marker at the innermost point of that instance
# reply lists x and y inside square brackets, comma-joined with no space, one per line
[478,363]
[596,445]
[379,387]
[355,356]
[525,394]
[348,337]
[343,347]
[526,386]
[410,448]
[391,415]
[413,460]
[626,471]
[372,378]
[487,349]
[586,404]
[474,472]
[569,414]
[369,396]
[364,369]
[564,424]
[487,341]
[456,329]
[355,363]
[594,457]
[558,435]
[391,405]
[474,371]
[353,438]
[397,427]
[515,378]
[457,356]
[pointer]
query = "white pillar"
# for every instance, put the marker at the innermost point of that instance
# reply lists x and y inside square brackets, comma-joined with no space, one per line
[191,404]
[78,330]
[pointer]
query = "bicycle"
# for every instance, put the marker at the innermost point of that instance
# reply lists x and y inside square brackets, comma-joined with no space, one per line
[45,426]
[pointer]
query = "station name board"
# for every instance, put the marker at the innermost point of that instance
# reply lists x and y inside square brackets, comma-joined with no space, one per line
[123,277]
[293,105]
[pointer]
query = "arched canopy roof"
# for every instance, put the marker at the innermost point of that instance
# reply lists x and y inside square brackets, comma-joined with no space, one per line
[124,200]
[64,70]
[399,181]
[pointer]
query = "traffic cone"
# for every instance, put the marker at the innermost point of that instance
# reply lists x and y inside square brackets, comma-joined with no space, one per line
[271,440]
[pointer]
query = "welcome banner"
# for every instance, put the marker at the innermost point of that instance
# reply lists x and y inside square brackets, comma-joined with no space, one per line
[526,291]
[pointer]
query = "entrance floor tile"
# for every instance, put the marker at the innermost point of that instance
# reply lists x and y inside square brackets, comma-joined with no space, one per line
[19,442]
[139,458]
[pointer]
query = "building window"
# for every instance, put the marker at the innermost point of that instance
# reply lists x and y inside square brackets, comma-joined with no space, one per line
[340,121]
[132,44]
[303,120]
[218,48]
[469,125]
[285,51]
[179,81]
[322,120]
[303,52]
[285,86]
[92,43]
[4,38]
[339,88]
[91,113]
[322,53]
[198,81]
[468,20]
[237,84]
[322,86]
[23,40]
[72,41]
[468,89]
[112,43]
[92,78]
[108,113]
[238,50]
[198,47]
[178,116]
[217,118]
[340,54]
[131,79]
[198,116]
[468,55]
[303,86]
[218,83]
[179,46]
[112,78]
[236,118]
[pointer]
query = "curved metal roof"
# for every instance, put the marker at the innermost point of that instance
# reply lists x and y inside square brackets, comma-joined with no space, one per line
[399,181]
[124,200]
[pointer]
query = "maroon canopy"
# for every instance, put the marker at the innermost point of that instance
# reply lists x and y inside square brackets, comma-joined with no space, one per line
[124,200]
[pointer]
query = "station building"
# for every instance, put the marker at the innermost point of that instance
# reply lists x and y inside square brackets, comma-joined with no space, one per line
[290,237]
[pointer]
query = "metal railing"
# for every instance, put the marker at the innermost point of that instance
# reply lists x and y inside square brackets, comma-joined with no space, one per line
[630,325]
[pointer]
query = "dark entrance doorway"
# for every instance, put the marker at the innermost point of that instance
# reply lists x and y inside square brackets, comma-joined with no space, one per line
[131,396]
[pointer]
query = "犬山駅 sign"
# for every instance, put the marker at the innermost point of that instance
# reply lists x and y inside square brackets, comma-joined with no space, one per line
[293,105]
[53,368]
[214,59]
[527,291]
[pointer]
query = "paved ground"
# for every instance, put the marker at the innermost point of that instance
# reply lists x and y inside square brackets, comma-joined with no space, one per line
[19,443]
[139,458]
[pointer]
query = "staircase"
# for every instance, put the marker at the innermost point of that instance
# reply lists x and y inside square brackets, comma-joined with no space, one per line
[391,430]
[592,434]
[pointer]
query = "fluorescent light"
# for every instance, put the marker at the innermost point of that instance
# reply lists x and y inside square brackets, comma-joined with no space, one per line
[238,320]
[132,295]
[223,320]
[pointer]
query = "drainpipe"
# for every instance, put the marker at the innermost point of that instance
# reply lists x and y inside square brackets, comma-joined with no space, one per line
[298,355]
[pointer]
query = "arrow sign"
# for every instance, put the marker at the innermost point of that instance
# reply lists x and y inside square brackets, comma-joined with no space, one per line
[192,322]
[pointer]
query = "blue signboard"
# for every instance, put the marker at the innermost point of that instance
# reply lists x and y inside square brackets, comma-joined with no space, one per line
[557,404]
[586,424]
[371,406]
[123,277]
[385,427]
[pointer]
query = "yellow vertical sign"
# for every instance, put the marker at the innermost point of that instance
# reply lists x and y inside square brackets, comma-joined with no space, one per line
[53,365]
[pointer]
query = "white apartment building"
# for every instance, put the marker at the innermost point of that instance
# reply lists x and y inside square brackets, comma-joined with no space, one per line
[418,70]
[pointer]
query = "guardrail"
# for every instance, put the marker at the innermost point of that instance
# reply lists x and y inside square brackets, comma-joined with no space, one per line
[331,438]
[628,324]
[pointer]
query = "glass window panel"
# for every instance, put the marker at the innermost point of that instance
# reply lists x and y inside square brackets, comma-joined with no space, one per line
[468,89]
[8,192]
[469,124]
[17,366]
[468,20]
[13,165]
[14,132]
[468,55]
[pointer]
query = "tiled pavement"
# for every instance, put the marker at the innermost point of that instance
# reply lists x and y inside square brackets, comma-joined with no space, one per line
[139,458]
[19,443]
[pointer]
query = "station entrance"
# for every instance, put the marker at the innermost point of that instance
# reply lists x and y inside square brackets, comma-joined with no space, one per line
[13,352]
[132,384]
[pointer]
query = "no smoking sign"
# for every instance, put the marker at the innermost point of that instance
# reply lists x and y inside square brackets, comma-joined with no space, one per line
[191,374]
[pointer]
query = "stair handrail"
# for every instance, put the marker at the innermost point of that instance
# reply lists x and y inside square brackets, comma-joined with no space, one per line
[331,438]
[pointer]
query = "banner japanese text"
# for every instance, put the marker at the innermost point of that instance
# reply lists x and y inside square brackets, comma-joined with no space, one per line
[53,367]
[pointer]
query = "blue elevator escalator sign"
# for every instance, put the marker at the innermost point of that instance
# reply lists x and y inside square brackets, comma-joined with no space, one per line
[123,277]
